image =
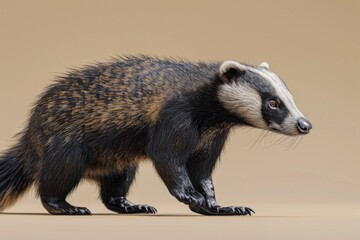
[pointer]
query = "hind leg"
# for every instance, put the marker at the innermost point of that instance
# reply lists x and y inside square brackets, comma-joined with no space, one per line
[114,188]
[61,172]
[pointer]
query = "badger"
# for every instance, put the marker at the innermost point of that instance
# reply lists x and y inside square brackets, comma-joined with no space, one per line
[100,121]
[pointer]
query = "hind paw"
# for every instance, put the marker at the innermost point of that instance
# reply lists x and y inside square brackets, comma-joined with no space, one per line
[64,208]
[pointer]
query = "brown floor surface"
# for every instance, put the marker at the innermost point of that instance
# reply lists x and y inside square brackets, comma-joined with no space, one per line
[270,222]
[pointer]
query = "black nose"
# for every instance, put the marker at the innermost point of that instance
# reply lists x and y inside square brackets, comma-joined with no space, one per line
[304,126]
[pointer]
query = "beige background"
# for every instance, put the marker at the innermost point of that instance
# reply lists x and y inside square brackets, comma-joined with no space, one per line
[308,191]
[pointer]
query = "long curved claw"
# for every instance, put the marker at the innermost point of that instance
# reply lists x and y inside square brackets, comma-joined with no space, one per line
[223,211]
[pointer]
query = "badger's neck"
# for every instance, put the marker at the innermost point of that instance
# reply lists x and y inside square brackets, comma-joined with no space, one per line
[208,111]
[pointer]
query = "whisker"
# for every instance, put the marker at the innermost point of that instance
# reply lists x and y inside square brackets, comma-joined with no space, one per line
[262,141]
[293,142]
[288,143]
[283,140]
[256,141]
[267,139]
[298,140]
[269,136]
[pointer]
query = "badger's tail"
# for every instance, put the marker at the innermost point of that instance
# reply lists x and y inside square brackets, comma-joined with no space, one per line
[16,176]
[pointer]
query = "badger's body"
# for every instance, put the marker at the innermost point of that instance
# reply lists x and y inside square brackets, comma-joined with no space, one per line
[100,121]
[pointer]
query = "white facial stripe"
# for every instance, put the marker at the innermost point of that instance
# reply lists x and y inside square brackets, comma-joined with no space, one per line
[243,100]
[281,90]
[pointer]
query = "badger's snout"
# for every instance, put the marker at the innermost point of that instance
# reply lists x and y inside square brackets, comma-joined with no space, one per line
[304,126]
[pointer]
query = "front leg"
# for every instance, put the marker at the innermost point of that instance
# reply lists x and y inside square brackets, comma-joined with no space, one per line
[206,187]
[200,166]
[171,142]
[177,181]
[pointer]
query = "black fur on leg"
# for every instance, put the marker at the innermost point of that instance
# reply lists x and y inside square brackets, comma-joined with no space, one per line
[202,162]
[62,169]
[200,167]
[116,184]
[114,188]
[171,142]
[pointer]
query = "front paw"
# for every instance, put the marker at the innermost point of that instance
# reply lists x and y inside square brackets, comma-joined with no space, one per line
[122,205]
[222,211]
[189,196]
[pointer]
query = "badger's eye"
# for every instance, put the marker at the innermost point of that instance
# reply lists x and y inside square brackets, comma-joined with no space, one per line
[273,104]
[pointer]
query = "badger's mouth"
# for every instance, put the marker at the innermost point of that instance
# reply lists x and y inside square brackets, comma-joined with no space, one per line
[301,127]
[287,133]
[275,127]
[275,130]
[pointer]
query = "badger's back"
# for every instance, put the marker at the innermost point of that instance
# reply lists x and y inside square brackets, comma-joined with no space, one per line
[123,92]
[109,107]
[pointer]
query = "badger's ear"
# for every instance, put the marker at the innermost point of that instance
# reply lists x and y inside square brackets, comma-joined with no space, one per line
[230,70]
[264,65]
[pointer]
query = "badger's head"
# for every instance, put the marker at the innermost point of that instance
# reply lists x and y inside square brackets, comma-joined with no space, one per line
[260,98]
